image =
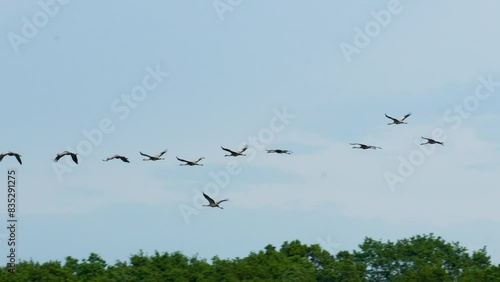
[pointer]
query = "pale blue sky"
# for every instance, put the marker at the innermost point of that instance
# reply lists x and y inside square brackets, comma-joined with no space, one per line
[226,77]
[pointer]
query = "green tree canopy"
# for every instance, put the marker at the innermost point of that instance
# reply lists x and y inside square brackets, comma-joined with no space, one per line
[419,258]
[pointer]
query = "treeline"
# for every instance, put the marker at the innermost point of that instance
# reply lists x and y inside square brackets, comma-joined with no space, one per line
[419,258]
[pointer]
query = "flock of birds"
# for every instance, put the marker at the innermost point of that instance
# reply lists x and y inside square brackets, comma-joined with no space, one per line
[231,153]
[395,121]
[157,157]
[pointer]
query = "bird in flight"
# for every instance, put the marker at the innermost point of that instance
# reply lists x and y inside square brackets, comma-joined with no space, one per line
[363,146]
[234,153]
[190,163]
[18,157]
[398,121]
[431,141]
[212,203]
[65,153]
[279,151]
[154,158]
[122,158]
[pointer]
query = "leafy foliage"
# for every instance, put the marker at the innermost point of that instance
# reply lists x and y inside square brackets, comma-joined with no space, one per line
[419,258]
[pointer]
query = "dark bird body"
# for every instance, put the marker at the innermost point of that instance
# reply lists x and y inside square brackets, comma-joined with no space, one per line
[279,151]
[363,146]
[431,141]
[398,121]
[190,163]
[212,203]
[122,158]
[235,153]
[154,158]
[18,157]
[66,153]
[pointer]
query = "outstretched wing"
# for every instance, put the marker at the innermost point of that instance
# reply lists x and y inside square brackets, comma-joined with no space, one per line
[407,115]
[161,154]
[227,150]
[19,159]
[359,144]
[390,117]
[225,200]
[75,159]
[182,160]
[146,155]
[210,200]
[424,138]
[124,159]
[1,157]
[244,149]
[58,156]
